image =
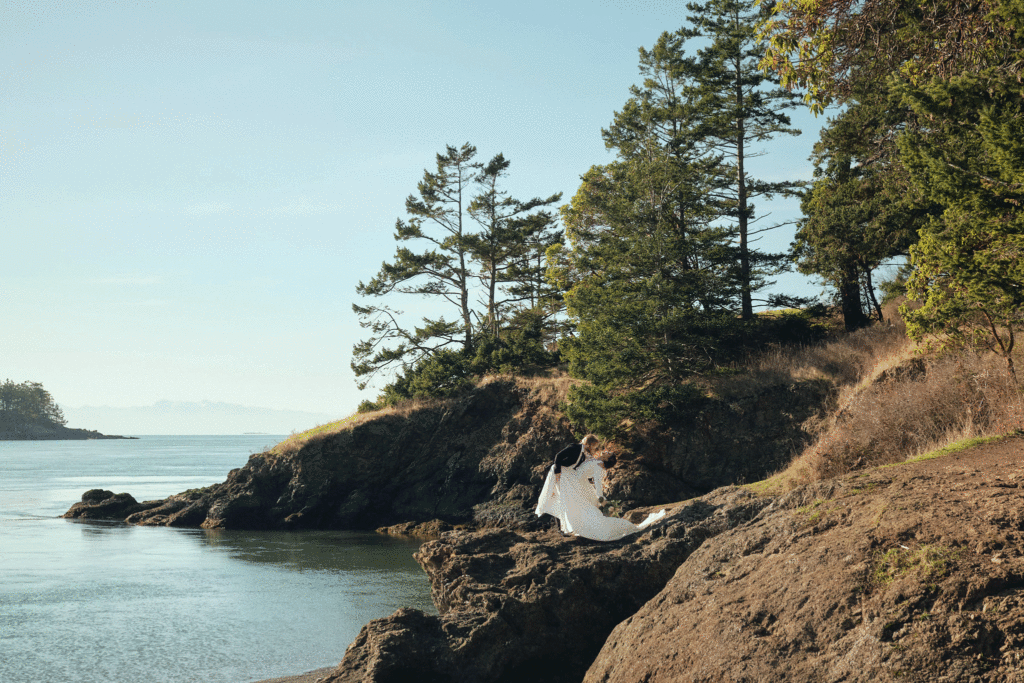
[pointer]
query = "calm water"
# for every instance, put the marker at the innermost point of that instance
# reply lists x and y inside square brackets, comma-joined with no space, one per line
[90,602]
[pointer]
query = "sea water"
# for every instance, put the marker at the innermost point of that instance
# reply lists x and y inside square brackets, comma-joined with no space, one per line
[84,602]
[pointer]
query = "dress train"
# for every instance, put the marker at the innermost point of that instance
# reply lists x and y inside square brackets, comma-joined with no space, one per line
[574,501]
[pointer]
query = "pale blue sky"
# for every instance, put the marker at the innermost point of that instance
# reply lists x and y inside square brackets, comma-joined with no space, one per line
[190,191]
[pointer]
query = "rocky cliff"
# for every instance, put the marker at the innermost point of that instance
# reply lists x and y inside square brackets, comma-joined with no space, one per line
[908,572]
[914,572]
[480,459]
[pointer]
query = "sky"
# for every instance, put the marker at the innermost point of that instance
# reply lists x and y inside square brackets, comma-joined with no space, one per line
[190,192]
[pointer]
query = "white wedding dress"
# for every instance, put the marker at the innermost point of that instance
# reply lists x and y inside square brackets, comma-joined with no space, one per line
[574,502]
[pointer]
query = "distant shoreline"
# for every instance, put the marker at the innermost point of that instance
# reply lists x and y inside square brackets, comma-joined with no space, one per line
[37,433]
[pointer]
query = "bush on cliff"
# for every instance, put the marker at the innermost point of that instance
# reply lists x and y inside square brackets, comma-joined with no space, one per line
[518,350]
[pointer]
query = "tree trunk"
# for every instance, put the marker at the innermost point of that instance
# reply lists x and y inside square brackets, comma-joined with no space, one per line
[849,297]
[746,302]
[870,287]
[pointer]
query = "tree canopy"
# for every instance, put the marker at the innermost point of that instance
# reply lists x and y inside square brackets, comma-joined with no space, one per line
[480,254]
[957,72]
[26,404]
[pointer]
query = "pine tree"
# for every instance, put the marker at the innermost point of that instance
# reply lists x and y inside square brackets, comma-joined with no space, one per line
[862,208]
[737,106]
[499,259]
[650,279]
[437,216]
[638,305]
[505,239]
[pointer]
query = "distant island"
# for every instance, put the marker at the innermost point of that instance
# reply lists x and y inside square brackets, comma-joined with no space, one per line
[29,413]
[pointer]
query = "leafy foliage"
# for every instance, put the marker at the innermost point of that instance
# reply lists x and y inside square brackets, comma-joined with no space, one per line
[969,263]
[957,68]
[826,45]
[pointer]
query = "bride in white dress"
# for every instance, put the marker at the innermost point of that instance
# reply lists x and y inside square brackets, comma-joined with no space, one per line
[573,497]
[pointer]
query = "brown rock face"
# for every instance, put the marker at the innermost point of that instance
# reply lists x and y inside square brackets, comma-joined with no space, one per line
[912,573]
[102,504]
[735,440]
[479,460]
[531,606]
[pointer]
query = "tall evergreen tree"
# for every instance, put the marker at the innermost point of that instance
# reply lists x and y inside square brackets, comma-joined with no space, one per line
[738,107]
[437,216]
[638,304]
[650,279]
[505,238]
[862,208]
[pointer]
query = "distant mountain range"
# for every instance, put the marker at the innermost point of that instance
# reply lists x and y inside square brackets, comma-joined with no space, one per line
[188,417]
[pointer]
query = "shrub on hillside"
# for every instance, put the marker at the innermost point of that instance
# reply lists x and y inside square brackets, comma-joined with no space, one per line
[916,407]
[632,388]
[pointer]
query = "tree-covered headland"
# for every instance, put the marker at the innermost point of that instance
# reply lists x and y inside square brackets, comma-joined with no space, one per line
[29,412]
[27,404]
[654,276]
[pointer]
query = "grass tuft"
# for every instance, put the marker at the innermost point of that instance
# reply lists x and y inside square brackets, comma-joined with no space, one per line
[929,561]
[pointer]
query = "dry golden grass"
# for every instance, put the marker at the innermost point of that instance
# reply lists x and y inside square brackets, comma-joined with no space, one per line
[842,362]
[891,417]
[893,402]
[549,389]
[956,397]
[296,441]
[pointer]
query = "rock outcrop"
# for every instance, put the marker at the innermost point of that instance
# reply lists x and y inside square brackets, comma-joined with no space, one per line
[913,572]
[532,606]
[103,504]
[479,460]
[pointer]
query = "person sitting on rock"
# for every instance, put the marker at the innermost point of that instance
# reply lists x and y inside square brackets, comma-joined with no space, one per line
[572,494]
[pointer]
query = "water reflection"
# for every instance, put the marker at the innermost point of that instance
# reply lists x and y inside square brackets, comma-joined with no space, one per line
[321,551]
[330,551]
[101,528]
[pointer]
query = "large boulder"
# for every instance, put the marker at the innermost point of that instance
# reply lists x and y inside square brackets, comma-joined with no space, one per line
[103,504]
[532,606]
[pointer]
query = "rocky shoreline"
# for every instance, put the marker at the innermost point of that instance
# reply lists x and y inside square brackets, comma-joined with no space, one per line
[908,572]
[914,572]
[479,461]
